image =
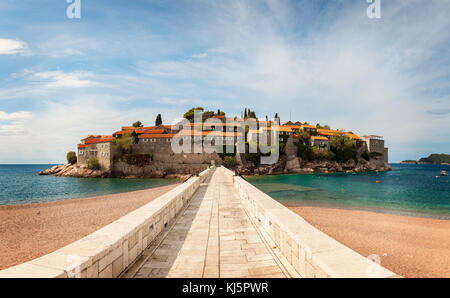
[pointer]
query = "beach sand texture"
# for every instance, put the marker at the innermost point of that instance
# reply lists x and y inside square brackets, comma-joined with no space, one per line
[33,230]
[409,246]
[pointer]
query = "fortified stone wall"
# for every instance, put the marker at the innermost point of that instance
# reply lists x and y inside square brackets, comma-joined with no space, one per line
[164,161]
[103,152]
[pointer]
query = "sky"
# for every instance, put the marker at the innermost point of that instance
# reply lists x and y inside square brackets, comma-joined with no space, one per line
[317,61]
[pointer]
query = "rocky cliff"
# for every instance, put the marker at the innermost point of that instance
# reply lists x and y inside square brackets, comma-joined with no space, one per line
[69,170]
[81,171]
[293,165]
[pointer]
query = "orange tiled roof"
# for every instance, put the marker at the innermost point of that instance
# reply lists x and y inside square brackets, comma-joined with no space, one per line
[153,131]
[229,124]
[352,135]
[222,124]
[128,128]
[328,132]
[291,126]
[280,128]
[209,133]
[157,136]
[80,146]
[308,126]
[122,132]
[319,138]
[102,139]
[94,136]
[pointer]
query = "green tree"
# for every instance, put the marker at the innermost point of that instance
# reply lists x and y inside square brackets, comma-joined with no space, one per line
[135,137]
[124,143]
[189,115]
[343,147]
[251,114]
[207,115]
[158,120]
[93,164]
[245,113]
[138,124]
[303,137]
[322,154]
[305,152]
[229,161]
[322,127]
[220,113]
[72,157]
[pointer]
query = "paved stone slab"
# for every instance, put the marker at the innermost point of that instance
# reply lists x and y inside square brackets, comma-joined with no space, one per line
[213,238]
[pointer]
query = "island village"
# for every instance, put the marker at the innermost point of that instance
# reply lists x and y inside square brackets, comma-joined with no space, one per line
[148,151]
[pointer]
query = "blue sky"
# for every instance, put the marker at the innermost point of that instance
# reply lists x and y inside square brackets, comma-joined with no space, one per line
[318,61]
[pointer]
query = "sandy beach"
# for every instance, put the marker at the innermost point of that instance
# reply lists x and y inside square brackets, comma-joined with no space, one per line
[32,230]
[409,246]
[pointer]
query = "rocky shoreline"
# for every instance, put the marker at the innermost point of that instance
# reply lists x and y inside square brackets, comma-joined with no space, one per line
[297,166]
[284,166]
[79,171]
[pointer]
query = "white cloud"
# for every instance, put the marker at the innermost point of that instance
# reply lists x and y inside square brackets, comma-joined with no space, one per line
[58,127]
[200,56]
[214,51]
[338,68]
[15,116]
[11,46]
[64,79]
[13,123]
[64,53]
[349,71]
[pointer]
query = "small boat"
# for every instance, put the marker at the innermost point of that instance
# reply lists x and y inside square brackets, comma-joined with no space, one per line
[444,173]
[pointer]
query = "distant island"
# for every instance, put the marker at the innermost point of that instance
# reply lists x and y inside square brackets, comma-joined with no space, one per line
[239,143]
[437,159]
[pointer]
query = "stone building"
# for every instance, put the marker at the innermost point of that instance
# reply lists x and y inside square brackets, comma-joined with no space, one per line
[99,147]
[376,144]
[320,141]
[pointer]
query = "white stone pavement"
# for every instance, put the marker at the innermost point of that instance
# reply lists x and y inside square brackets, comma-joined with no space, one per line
[213,237]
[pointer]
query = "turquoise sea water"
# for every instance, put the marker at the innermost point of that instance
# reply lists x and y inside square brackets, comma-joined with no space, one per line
[20,184]
[407,189]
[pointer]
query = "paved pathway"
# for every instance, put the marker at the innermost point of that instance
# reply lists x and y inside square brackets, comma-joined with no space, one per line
[212,238]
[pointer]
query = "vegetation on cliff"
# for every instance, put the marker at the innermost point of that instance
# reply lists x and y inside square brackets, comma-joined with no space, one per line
[93,164]
[134,159]
[343,148]
[72,157]
[124,143]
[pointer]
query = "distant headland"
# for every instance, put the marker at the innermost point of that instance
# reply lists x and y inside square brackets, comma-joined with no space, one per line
[437,159]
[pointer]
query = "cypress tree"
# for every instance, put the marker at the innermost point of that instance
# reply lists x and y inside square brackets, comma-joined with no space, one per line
[158,120]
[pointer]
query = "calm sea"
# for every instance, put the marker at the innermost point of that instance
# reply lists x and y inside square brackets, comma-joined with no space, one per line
[20,184]
[407,189]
